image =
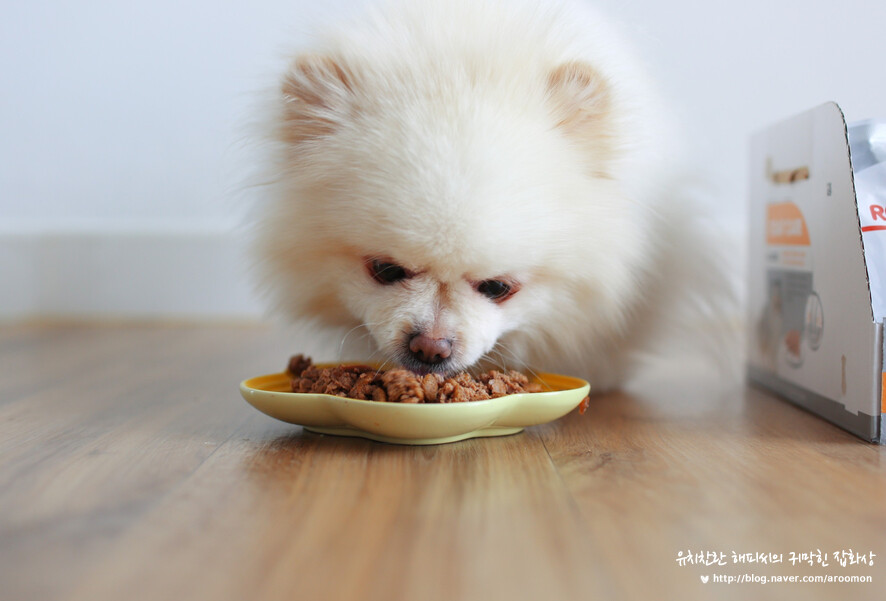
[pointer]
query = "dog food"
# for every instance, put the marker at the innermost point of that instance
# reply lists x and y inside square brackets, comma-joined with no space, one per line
[403,386]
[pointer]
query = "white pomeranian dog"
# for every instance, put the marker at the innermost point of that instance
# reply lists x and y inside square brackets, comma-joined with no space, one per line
[478,183]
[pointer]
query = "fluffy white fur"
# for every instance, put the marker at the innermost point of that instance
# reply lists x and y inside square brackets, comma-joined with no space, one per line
[468,140]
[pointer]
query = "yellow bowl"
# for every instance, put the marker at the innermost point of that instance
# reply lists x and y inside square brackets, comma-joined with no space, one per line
[415,424]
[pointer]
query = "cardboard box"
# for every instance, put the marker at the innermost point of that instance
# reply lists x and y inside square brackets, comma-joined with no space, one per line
[814,338]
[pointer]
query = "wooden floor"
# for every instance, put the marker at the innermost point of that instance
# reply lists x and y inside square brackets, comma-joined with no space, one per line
[130,468]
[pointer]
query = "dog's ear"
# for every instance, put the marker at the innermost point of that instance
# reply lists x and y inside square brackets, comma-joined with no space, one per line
[581,101]
[317,94]
[579,93]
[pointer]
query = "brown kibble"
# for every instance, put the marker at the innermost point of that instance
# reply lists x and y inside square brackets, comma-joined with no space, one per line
[497,387]
[445,391]
[364,382]
[403,386]
[363,388]
[518,379]
[459,395]
[298,364]
[431,385]
[500,384]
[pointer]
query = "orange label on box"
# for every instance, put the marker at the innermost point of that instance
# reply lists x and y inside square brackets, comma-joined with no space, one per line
[785,225]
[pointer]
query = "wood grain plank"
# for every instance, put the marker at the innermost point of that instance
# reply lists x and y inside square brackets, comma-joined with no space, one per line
[351,519]
[676,472]
[81,459]
[136,471]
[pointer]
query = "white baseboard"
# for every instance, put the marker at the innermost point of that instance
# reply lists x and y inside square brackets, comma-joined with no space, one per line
[141,275]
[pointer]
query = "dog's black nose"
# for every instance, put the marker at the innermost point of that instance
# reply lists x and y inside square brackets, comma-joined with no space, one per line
[430,350]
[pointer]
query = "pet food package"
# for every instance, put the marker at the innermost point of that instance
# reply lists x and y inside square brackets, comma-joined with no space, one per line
[817,267]
[867,147]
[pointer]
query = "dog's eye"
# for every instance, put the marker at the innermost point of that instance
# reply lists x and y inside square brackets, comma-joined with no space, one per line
[496,290]
[385,272]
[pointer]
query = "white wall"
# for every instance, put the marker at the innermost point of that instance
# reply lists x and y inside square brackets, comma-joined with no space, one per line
[121,127]
[132,112]
[729,69]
